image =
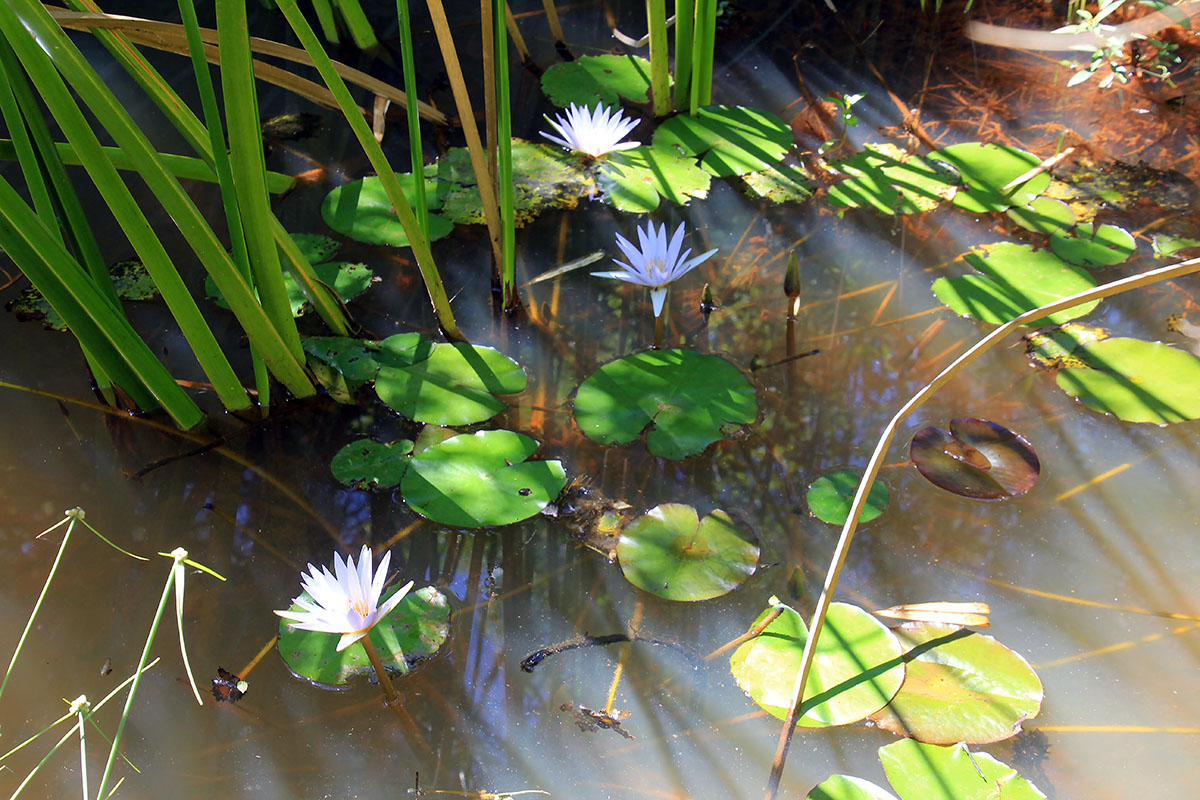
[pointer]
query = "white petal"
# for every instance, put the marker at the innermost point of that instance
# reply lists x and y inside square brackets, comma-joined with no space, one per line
[392,602]
[349,639]
[658,296]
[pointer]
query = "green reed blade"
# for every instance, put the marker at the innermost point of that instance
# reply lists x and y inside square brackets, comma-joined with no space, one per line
[324,11]
[660,69]
[705,38]
[413,113]
[504,168]
[685,19]
[357,23]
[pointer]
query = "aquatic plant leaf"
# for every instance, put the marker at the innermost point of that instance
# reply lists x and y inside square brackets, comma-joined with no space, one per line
[1115,184]
[856,671]
[1054,347]
[689,400]
[367,464]
[347,280]
[1136,381]
[477,479]
[985,169]
[1043,215]
[633,180]
[782,183]
[672,553]
[730,140]
[129,277]
[414,631]
[544,177]
[920,771]
[445,383]
[361,210]
[829,497]
[1166,245]
[316,247]
[1103,247]
[847,787]
[1016,278]
[891,181]
[353,358]
[607,79]
[976,458]
[960,686]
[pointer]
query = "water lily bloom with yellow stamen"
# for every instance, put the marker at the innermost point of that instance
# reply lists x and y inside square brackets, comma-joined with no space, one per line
[592,132]
[657,263]
[345,601]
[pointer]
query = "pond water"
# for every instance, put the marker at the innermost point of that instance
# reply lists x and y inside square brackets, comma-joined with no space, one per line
[1090,576]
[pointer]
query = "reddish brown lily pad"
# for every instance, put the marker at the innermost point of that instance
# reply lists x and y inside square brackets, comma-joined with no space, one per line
[976,458]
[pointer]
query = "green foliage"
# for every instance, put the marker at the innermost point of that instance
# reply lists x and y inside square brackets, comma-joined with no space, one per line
[929,772]
[672,553]
[846,787]
[362,210]
[730,140]
[607,79]
[1103,247]
[782,183]
[129,279]
[829,497]
[985,169]
[887,179]
[367,464]
[1044,215]
[1136,381]
[634,180]
[691,400]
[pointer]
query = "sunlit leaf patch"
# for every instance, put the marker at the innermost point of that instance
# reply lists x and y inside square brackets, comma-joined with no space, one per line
[830,497]
[367,464]
[976,458]
[985,169]
[847,787]
[634,180]
[671,552]
[887,179]
[1136,381]
[730,140]
[1043,215]
[1101,247]
[608,79]
[1054,347]
[920,771]
[362,210]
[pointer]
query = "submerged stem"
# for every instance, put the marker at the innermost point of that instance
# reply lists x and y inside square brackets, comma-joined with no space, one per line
[385,682]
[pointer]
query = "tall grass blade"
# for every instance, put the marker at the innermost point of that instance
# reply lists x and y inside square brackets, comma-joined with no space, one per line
[660,68]
[685,24]
[705,38]
[504,168]
[404,18]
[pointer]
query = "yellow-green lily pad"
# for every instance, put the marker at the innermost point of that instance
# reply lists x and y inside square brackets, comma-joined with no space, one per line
[1102,247]
[635,179]
[362,210]
[730,140]
[605,78]
[985,169]
[847,787]
[1136,381]
[919,771]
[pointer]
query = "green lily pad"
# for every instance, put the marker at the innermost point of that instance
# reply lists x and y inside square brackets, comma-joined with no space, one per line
[479,479]
[976,458]
[1016,278]
[347,280]
[1167,245]
[730,140]
[606,78]
[1054,347]
[353,358]
[361,210]
[443,383]
[316,247]
[633,180]
[887,179]
[856,671]
[830,497]
[412,633]
[961,686]
[782,183]
[690,400]
[1106,246]
[920,771]
[847,787]
[130,279]
[672,553]
[1136,381]
[1043,215]
[985,169]
[367,464]
[544,177]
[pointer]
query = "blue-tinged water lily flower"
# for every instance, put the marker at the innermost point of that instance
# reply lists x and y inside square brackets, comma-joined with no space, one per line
[593,132]
[657,263]
[345,601]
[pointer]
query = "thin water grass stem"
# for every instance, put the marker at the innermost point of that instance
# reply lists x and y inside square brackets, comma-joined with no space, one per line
[885,439]
[504,165]
[660,68]
[390,697]
[407,62]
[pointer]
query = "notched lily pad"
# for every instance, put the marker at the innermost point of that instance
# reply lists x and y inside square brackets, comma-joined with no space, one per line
[361,210]
[607,78]
[1102,247]
[847,787]
[479,479]
[635,179]
[367,464]
[672,553]
[920,771]
[1016,278]
[414,631]
[985,169]
[829,497]
[730,140]
[1054,347]
[688,399]
[856,671]
[976,458]
[353,358]
[1043,215]
[1136,381]
[960,686]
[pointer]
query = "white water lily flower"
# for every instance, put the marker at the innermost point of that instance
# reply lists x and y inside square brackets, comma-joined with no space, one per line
[657,263]
[592,132]
[345,601]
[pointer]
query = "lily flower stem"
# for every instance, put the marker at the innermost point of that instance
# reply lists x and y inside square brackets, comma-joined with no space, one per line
[385,683]
[658,329]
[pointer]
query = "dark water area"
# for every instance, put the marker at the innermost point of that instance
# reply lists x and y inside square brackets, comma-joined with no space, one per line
[1090,576]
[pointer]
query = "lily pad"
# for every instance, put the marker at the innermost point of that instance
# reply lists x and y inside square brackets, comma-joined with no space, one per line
[847,787]
[688,399]
[477,479]
[672,553]
[1016,278]
[1043,215]
[633,180]
[367,464]
[544,177]
[361,210]
[856,671]
[1136,381]
[830,497]
[443,383]
[730,140]
[1054,347]
[1103,247]
[891,181]
[960,686]
[782,183]
[316,247]
[130,279]
[412,633]
[985,169]
[1167,245]
[606,78]
[976,458]
[353,358]
[347,280]
[920,771]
